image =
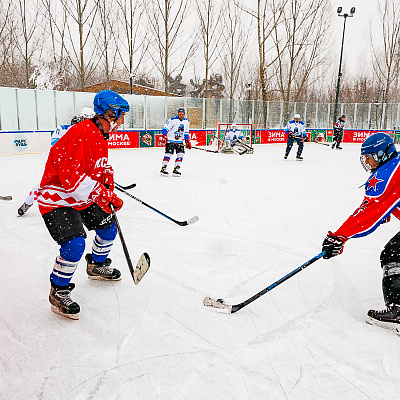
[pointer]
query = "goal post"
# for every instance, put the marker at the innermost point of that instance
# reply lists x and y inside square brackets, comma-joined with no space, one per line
[246,131]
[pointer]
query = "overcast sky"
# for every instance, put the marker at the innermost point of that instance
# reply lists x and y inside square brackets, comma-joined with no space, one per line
[356,45]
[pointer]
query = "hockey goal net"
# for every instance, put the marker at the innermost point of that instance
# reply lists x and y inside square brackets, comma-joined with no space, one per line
[244,130]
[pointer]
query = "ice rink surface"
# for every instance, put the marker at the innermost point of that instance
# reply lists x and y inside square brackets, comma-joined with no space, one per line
[260,217]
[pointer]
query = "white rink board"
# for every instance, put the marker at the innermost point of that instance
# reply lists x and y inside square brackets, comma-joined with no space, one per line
[21,142]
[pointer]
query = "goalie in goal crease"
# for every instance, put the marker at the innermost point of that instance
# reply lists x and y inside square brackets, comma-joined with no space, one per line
[234,141]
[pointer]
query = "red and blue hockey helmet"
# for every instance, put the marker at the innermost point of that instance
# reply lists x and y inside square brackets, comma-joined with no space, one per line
[109,100]
[380,147]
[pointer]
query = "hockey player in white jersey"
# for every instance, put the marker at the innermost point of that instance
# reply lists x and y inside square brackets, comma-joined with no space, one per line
[59,132]
[296,132]
[175,131]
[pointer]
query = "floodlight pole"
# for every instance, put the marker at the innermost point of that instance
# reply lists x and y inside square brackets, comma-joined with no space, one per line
[341,58]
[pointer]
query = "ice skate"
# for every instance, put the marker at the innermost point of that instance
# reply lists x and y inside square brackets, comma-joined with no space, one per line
[340,148]
[285,157]
[164,171]
[23,209]
[61,302]
[388,318]
[299,158]
[101,271]
[176,172]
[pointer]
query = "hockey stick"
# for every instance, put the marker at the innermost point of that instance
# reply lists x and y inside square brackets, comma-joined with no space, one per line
[325,144]
[142,265]
[181,223]
[209,151]
[220,305]
[128,187]
[5,197]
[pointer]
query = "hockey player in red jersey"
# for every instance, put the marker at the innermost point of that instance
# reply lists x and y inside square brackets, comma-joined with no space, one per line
[382,199]
[77,188]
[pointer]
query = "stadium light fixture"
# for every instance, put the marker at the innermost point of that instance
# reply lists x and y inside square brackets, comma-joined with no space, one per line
[345,16]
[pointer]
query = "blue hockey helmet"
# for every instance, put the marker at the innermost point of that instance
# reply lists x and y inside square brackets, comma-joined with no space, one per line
[109,100]
[380,147]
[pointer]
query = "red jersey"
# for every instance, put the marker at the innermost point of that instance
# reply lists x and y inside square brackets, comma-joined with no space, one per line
[74,165]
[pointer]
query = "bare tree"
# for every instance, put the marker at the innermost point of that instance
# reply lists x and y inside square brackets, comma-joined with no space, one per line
[107,34]
[134,39]
[301,46]
[209,19]
[82,13]
[268,16]
[386,53]
[26,37]
[235,35]
[56,30]
[166,19]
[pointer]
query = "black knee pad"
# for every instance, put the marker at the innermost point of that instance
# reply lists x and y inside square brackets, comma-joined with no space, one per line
[391,283]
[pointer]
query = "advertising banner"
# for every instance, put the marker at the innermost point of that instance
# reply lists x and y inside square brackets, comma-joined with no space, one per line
[146,138]
[201,137]
[124,140]
[359,135]
[269,136]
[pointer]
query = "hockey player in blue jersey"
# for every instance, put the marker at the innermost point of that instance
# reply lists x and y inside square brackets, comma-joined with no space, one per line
[175,131]
[296,131]
[382,199]
[59,132]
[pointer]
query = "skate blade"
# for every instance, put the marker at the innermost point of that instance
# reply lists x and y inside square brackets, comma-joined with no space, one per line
[165,175]
[102,278]
[57,311]
[391,326]
[142,267]
[176,175]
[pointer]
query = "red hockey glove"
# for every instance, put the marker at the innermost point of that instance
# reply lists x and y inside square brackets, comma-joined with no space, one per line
[290,135]
[107,179]
[105,198]
[333,245]
[188,144]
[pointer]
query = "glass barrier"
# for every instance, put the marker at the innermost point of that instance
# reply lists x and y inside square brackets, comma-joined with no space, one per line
[27,109]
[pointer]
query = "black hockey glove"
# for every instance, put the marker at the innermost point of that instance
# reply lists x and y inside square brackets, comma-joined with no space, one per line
[333,245]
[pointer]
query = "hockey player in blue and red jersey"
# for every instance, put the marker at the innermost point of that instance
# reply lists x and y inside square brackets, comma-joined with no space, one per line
[382,199]
[296,131]
[175,131]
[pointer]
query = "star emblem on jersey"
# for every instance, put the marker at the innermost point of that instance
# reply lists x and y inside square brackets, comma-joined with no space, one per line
[373,182]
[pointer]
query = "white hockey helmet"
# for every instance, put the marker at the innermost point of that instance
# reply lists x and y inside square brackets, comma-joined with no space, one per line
[87,113]
[233,126]
[296,116]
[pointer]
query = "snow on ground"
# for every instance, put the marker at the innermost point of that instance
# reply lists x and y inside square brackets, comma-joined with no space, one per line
[260,218]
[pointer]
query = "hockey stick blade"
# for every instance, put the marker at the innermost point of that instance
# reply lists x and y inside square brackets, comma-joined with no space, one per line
[192,220]
[324,144]
[218,305]
[208,151]
[5,197]
[142,267]
[128,187]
